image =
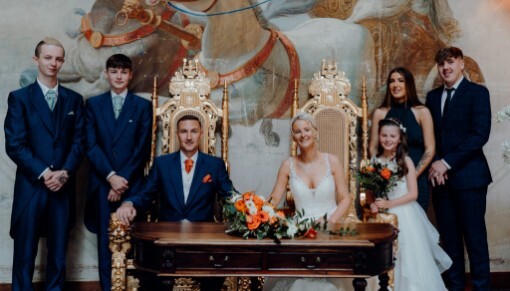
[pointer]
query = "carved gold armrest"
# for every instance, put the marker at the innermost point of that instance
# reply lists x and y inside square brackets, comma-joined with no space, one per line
[120,245]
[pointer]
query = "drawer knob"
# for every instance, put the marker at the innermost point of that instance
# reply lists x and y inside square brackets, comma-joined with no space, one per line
[313,265]
[218,265]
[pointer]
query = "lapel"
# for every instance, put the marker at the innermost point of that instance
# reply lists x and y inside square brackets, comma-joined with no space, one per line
[176,177]
[41,106]
[63,108]
[196,183]
[125,116]
[107,112]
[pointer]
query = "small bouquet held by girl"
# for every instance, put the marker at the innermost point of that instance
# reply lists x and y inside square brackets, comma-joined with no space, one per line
[377,178]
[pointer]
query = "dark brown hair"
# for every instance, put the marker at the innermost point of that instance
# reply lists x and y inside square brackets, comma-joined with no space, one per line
[448,52]
[411,95]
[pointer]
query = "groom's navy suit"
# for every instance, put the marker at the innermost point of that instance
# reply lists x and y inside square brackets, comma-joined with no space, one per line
[119,145]
[36,139]
[460,203]
[165,177]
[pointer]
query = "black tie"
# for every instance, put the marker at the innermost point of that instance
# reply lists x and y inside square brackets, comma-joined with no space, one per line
[447,101]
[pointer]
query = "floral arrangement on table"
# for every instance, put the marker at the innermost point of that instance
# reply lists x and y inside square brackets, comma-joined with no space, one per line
[500,117]
[379,177]
[250,215]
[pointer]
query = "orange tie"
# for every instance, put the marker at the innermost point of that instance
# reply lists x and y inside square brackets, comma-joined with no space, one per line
[188,164]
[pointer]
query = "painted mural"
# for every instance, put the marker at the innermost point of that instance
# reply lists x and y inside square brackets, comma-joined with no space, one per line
[258,48]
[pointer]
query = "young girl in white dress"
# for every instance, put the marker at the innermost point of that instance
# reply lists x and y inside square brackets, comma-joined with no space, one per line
[419,259]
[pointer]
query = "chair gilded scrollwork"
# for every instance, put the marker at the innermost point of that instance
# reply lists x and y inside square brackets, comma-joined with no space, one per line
[190,90]
[343,131]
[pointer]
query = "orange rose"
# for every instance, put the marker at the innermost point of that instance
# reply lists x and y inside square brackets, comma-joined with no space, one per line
[252,222]
[264,217]
[369,169]
[240,206]
[248,195]
[280,213]
[258,202]
[386,173]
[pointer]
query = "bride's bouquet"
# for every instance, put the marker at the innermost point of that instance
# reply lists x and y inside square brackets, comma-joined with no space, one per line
[379,177]
[250,215]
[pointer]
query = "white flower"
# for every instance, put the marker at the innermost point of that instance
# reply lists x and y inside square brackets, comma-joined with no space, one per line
[506,151]
[292,229]
[269,210]
[235,197]
[502,115]
[251,207]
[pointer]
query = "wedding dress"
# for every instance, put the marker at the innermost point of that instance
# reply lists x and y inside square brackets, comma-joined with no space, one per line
[420,260]
[315,203]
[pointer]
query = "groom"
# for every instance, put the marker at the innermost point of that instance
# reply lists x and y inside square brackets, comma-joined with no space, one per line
[187,181]
[460,174]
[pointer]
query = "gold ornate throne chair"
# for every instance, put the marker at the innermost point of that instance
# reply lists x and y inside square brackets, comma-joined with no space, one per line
[190,90]
[343,131]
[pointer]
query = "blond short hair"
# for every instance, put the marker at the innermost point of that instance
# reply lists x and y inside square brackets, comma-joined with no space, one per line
[48,41]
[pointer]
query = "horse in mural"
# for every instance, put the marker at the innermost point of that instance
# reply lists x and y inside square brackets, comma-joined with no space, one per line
[260,64]
[155,46]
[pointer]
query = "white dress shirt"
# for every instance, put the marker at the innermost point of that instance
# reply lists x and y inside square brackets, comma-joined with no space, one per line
[187,177]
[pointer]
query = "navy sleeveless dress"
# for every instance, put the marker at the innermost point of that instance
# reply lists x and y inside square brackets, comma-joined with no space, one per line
[415,140]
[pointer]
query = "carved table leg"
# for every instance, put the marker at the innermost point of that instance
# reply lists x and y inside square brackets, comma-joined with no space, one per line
[359,284]
[383,282]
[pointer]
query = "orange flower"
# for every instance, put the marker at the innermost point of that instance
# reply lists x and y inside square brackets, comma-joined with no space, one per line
[264,216]
[252,222]
[240,206]
[386,173]
[248,195]
[280,213]
[258,202]
[369,169]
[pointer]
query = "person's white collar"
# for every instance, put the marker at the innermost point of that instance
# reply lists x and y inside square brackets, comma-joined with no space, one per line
[122,94]
[456,85]
[46,89]
[184,157]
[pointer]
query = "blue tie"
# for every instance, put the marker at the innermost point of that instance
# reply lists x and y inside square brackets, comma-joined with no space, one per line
[51,98]
[118,101]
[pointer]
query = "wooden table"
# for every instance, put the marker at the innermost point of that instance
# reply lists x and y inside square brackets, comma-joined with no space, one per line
[204,250]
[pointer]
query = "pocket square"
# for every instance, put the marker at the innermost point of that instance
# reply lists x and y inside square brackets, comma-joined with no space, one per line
[70,113]
[207,179]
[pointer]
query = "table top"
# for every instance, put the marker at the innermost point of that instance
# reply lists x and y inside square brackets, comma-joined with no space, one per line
[210,233]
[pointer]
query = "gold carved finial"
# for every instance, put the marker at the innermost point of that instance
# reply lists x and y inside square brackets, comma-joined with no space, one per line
[330,85]
[224,128]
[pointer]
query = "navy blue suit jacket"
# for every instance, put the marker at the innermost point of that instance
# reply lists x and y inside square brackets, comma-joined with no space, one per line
[35,140]
[121,145]
[165,179]
[463,132]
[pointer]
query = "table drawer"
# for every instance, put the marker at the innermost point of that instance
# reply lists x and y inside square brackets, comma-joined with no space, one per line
[309,261]
[218,260]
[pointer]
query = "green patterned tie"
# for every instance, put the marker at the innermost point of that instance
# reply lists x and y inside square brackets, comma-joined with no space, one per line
[118,101]
[51,98]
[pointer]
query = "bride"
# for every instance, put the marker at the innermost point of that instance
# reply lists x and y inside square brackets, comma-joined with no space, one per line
[317,182]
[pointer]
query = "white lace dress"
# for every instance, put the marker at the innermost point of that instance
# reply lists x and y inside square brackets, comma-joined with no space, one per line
[315,202]
[420,260]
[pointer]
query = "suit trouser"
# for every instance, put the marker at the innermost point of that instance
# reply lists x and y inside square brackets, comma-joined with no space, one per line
[460,215]
[45,210]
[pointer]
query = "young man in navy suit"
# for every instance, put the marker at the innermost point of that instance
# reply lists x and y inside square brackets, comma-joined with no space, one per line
[187,181]
[118,130]
[44,138]
[460,174]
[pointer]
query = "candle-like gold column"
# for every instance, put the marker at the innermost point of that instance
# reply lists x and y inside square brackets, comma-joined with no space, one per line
[224,128]
[154,99]
[364,122]
[295,105]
